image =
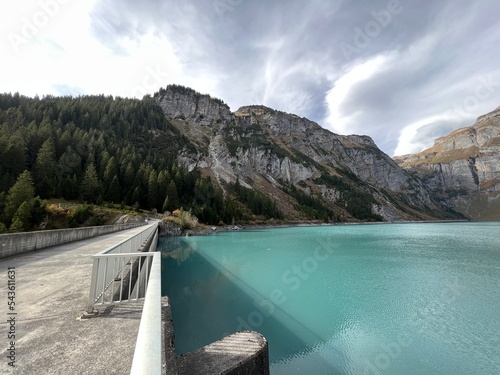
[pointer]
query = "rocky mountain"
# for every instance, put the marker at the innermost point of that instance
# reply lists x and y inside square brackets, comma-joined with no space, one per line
[463,168]
[310,172]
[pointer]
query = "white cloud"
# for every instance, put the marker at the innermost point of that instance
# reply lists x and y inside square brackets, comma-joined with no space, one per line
[335,119]
[407,141]
[64,53]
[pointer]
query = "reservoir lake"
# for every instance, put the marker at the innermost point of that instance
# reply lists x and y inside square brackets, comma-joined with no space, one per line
[419,298]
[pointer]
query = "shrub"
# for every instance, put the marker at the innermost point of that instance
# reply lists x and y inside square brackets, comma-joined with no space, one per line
[81,214]
[56,210]
[184,219]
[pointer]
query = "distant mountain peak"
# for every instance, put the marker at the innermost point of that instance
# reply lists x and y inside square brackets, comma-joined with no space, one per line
[463,167]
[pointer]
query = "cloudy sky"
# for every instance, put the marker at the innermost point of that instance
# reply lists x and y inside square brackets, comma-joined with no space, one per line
[403,72]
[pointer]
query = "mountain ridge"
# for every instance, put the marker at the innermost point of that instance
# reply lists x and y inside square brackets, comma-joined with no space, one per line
[463,167]
[258,144]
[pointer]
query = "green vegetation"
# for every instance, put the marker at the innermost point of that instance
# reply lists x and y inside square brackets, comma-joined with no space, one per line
[312,207]
[104,151]
[355,201]
[94,149]
[256,202]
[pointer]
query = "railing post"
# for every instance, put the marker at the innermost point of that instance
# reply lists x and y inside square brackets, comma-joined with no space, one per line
[93,282]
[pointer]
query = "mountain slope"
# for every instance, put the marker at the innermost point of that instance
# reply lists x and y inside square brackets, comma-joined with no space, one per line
[295,162]
[464,167]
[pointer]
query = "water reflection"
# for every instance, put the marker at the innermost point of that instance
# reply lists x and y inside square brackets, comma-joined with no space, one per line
[178,249]
[345,313]
[209,302]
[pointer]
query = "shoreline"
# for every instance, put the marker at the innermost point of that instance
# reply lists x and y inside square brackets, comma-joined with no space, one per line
[205,230]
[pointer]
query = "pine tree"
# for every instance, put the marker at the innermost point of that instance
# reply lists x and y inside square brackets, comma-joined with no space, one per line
[45,160]
[45,169]
[153,190]
[111,170]
[162,183]
[114,193]
[173,199]
[14,157]
[91,186]
[69,163]
[165,204]
[22,218]
[22,191]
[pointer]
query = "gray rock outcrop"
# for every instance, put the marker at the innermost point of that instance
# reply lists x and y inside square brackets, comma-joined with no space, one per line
[464,167]
[267,149]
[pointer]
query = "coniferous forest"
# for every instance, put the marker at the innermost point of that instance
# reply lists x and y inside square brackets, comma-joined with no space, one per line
[100,150]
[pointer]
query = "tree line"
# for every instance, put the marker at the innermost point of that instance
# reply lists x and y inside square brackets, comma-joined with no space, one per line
[98,149]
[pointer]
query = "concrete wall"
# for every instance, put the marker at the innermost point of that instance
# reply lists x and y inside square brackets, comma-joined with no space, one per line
[18,243]
[242,353]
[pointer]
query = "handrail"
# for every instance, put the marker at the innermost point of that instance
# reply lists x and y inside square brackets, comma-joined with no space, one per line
[132,243]
[148,349]
[116,269]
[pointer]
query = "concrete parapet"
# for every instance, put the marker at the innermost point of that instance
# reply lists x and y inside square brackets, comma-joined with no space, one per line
[18,243]
[168,338]
[242,353]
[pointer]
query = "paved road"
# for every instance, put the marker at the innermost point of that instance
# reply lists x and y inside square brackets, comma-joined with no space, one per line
[52,288]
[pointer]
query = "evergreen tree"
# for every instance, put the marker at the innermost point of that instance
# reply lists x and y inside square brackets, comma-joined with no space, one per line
[22,218]
[44,170]
[162,184]
[111,170]
[114,191]
[91,186]
[153,190]
[69,163]
[14,157]
[22,191]
[165,204]
[173,199]
[128,178]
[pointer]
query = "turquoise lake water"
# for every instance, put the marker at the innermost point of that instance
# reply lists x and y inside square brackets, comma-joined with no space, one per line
[345,299]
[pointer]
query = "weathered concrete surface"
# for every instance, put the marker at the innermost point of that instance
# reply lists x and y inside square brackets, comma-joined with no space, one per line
[19,243]
[242,353]
[52,288]
[168,338]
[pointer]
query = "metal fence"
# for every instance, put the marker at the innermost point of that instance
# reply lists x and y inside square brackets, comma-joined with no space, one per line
[120,273]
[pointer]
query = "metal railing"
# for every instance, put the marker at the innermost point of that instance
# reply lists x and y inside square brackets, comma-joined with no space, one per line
[121,272]
[131,244]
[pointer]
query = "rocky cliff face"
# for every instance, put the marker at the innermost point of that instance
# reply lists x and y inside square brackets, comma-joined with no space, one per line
[464,167]
[287,157]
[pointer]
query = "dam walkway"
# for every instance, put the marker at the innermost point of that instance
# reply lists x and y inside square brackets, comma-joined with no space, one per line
[51,294]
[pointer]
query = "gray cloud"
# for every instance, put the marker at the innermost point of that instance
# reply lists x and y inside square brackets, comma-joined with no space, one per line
[289,54]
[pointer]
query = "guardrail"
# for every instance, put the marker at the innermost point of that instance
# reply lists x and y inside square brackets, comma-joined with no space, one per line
[121,272]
